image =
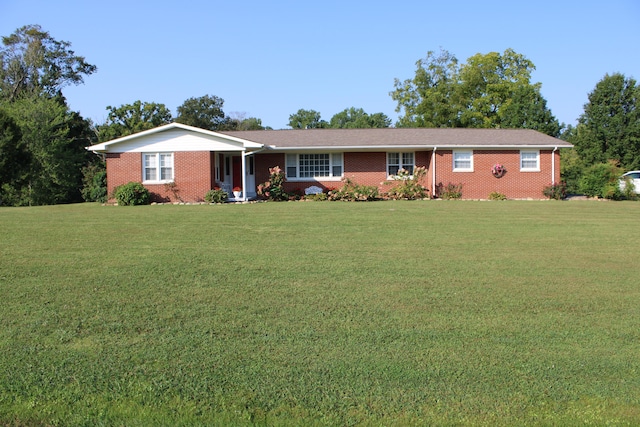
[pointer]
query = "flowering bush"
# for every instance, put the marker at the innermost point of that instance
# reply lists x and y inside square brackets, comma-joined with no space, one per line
[273,189]
[409,186]
[498,170]
[557,191]
[450,191]
[353,192]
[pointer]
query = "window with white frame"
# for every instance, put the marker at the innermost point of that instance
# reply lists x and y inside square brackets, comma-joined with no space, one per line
[314,166]
[397,161]
[463,161]
[530,160]
[158,167]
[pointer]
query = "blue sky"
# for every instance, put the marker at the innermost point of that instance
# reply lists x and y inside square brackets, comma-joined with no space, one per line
[269,59]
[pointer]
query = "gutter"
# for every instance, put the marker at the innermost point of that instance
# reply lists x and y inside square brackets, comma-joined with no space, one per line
[553,166]
[433,172]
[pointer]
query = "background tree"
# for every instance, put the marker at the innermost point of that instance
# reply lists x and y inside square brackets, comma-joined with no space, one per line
[352,118]
[33,62]
[132,118]
[240,121]
[13,155]
[609,128]
[204,112]
[306,119]
[489,91]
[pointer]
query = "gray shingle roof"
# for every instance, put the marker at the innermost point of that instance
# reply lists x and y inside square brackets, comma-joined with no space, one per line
[400,137]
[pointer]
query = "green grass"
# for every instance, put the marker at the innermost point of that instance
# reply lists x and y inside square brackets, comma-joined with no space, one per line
[384,313]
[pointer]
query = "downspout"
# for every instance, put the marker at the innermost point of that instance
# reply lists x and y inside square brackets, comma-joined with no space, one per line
[553,166]
[433,173]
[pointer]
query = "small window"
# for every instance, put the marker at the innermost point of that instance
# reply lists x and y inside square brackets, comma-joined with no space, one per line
[530,161]
[463,161]
[158,167]
[397,161]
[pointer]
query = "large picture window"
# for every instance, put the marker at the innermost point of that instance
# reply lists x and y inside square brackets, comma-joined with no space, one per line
[462,161]
[530,161]
[314,166]
[158,167]
[397,161]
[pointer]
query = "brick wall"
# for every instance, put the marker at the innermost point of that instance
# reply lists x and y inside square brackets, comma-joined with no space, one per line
[193,175]
[514,184]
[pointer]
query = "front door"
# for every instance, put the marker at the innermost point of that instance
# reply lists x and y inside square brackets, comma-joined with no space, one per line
[237,171]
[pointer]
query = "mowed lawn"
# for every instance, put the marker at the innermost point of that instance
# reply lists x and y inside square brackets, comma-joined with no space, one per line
[321,313]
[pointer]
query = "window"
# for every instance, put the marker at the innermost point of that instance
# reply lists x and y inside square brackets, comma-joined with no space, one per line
[463,161]
[397,161]
[158,167]
[530,161]
[316,165]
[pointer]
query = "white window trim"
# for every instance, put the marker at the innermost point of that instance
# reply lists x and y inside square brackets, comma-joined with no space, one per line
[401,165]
[453,161]
[158,169]
[537,168]
[332,163]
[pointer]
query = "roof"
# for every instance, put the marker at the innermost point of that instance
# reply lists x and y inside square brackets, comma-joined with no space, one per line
[400,138]
[207,139]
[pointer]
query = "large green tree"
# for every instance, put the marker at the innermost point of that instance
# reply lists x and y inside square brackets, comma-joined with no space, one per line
[132,118]
[609,128]
[13,155]
[204,112]
[33,62]
[306,119]
[488,91]
[352,118]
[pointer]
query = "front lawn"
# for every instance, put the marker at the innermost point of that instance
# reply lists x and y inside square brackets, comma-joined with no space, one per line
[321,313]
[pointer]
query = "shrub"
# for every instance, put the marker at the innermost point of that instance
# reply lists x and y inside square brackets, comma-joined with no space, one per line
[216,195]
[409,186]
[601,180]
[450,191]
[497,196]
[132,194]
[94,180]
[557,191]
[318,197]
[353,192]
[274,188]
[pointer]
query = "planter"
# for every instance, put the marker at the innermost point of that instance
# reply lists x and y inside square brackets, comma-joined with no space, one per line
[237,194]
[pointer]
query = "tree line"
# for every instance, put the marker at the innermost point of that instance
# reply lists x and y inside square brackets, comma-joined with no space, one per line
[43,159]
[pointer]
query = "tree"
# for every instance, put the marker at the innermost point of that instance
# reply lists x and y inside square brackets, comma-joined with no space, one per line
[489,91]
[54,139]
[32,62]
[204,112]
[351,118]
[132,118]
[13,156]
[609,128]
[306,119]
[239,121]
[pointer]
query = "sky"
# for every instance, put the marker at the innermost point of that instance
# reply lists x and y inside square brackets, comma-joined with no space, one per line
[268,59]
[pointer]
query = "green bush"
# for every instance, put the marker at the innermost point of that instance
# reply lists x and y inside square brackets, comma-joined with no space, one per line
[216,195]
[409,186]
[556,191]
[132,194]
[450,191]
[352,192]
[497,196]
[601,180]
[94,180]
[319,197]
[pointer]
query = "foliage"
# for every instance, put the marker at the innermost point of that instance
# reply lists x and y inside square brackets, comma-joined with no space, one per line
[356,118]
[352,192]
[216,195]
[32,63]
[409,186]
[306,119]
[450,191]
[602,180]
[204,112]
[273,189]
[133,118]
[489,91]
[494,195]
[13,153]
[317,197]
[315,314]
[132,194]
[52,152]
[239,121]
[557,191]
[571,169]
[609,128]
[94,188]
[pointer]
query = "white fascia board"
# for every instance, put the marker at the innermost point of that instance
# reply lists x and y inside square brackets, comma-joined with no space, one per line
[411,147]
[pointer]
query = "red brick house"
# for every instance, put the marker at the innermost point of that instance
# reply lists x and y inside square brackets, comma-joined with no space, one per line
[176,161]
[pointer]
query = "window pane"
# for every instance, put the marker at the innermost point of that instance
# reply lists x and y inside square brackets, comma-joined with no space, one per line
[393,170]
[462,160]
[336,164]
[150,167]
[529,160]
[313,165]
[291,165]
